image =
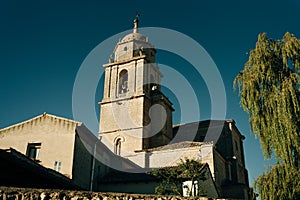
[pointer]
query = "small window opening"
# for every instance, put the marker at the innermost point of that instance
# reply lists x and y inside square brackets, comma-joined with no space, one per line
[57,166]
[123,82]
[33,150]
[118,147]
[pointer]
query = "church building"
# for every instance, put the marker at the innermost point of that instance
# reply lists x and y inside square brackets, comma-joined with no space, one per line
[136,123]
[136,134]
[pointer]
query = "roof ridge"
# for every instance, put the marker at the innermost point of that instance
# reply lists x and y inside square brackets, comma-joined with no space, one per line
[183,144]
[63,118]
[203,121]
[37,117]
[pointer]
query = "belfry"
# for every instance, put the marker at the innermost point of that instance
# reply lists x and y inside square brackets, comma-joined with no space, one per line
[132,97]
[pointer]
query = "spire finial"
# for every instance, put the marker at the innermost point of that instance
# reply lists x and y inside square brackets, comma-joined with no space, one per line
[136,22]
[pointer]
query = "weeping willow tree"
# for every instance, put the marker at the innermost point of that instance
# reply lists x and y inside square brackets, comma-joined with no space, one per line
[269,88]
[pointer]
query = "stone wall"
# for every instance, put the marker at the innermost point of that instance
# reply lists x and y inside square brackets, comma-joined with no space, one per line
[44,194]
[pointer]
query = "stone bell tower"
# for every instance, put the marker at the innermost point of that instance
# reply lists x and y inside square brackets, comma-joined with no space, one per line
[135,115]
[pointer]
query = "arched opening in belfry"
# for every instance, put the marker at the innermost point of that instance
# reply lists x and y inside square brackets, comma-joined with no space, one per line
[118,147]
[123,81]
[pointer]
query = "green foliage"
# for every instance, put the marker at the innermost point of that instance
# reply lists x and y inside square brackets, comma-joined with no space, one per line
[278,184]
[270,92]
[173,177]
[171,182]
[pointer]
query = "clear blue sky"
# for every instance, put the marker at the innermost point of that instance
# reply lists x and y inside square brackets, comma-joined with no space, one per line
[43,44]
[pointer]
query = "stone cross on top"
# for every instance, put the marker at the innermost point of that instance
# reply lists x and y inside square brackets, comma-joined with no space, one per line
[136,23]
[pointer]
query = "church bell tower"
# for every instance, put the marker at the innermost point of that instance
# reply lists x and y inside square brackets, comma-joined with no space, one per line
[135,115]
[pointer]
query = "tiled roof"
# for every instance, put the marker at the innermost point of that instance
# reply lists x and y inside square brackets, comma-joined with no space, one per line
[201,131]
[179,145]
[117,176]
[18,170]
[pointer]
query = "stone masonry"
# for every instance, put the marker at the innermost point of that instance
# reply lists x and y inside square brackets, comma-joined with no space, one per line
[46,194]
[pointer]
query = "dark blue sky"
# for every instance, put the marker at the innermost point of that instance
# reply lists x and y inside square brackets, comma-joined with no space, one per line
[43,44]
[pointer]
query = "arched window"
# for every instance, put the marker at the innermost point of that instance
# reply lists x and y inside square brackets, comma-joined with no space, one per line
[118,147]
[123,81]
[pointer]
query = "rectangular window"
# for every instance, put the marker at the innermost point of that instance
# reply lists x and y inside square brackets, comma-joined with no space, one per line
[57,166]
[33,150]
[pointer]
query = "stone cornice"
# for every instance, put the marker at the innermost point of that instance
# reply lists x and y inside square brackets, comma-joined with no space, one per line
[124,61]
